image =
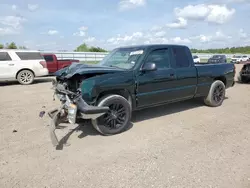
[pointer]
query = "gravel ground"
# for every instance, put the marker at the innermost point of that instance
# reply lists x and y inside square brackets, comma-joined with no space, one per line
[179,145]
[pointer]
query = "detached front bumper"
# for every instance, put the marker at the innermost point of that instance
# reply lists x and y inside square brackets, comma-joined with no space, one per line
[70,111]
[54,122]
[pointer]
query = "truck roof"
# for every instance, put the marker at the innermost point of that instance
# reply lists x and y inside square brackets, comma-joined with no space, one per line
[152,46]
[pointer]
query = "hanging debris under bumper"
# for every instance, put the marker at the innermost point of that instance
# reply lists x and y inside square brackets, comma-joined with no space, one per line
[73,107]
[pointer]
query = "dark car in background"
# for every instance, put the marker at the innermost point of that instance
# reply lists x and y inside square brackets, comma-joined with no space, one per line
[217,59]
[244,75]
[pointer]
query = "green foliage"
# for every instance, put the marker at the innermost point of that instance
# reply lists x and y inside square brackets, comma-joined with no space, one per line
[233,50]
[84,48]
[96,49]
[12,45]
[22,47]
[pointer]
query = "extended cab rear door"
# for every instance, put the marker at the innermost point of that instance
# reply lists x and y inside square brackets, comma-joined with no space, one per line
[186,72]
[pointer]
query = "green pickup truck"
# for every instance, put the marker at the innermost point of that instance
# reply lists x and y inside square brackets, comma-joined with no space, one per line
[132,78]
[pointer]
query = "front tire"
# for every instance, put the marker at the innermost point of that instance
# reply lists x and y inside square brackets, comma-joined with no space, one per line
[25,77]
[117,119]
[216,94]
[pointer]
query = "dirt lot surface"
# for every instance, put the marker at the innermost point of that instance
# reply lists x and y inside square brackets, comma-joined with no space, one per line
[179,145]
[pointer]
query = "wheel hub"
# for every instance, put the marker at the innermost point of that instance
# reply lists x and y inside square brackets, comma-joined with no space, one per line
[218,94]
[25,77]
[113,115]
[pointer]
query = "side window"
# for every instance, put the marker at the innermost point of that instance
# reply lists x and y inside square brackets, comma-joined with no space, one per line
[48,57]
[181,57]
[29,55]
[4,56]
[160,57]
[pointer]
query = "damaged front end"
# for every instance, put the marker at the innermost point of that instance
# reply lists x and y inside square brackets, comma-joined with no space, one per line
[72,107]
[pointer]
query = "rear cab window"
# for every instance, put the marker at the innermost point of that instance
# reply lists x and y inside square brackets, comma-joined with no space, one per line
[4,56]
[29,55]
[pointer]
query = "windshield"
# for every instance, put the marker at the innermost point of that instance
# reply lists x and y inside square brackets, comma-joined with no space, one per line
[238,56]
[124,58]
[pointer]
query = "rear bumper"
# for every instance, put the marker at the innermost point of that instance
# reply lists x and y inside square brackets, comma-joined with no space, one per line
[70,112]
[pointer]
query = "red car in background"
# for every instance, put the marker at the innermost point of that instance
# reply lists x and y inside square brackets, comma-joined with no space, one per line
[54,64]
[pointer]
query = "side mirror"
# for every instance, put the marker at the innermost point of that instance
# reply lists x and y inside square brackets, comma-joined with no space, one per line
[150,66]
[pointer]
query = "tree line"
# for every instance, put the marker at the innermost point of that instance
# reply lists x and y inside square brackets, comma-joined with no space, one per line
[85,48]
[11,45]
[82,48]
[232,50]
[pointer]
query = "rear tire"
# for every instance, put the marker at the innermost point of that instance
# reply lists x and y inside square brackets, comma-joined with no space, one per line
[216,94]
[117,119]
[25,77]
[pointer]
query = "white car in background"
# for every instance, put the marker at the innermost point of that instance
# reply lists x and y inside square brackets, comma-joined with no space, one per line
[196,59]
[21,65]
[239,58]
[245,58]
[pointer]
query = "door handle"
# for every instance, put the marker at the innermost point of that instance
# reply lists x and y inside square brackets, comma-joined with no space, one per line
[11,64]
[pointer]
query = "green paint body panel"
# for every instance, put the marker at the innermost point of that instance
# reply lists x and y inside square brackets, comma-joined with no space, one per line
[151,88]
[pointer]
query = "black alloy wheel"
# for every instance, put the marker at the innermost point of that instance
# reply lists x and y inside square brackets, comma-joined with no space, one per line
[115,117]
[218,94]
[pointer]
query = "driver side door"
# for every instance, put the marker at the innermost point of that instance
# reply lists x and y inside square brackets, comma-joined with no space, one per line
[154,87]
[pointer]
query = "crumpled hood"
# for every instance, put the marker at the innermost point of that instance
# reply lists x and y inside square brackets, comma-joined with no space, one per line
[81,69]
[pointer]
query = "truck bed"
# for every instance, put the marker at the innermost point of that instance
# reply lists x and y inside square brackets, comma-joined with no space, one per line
[207,72]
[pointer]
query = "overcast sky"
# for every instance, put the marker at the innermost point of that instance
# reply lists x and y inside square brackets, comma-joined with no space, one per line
[63,25]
